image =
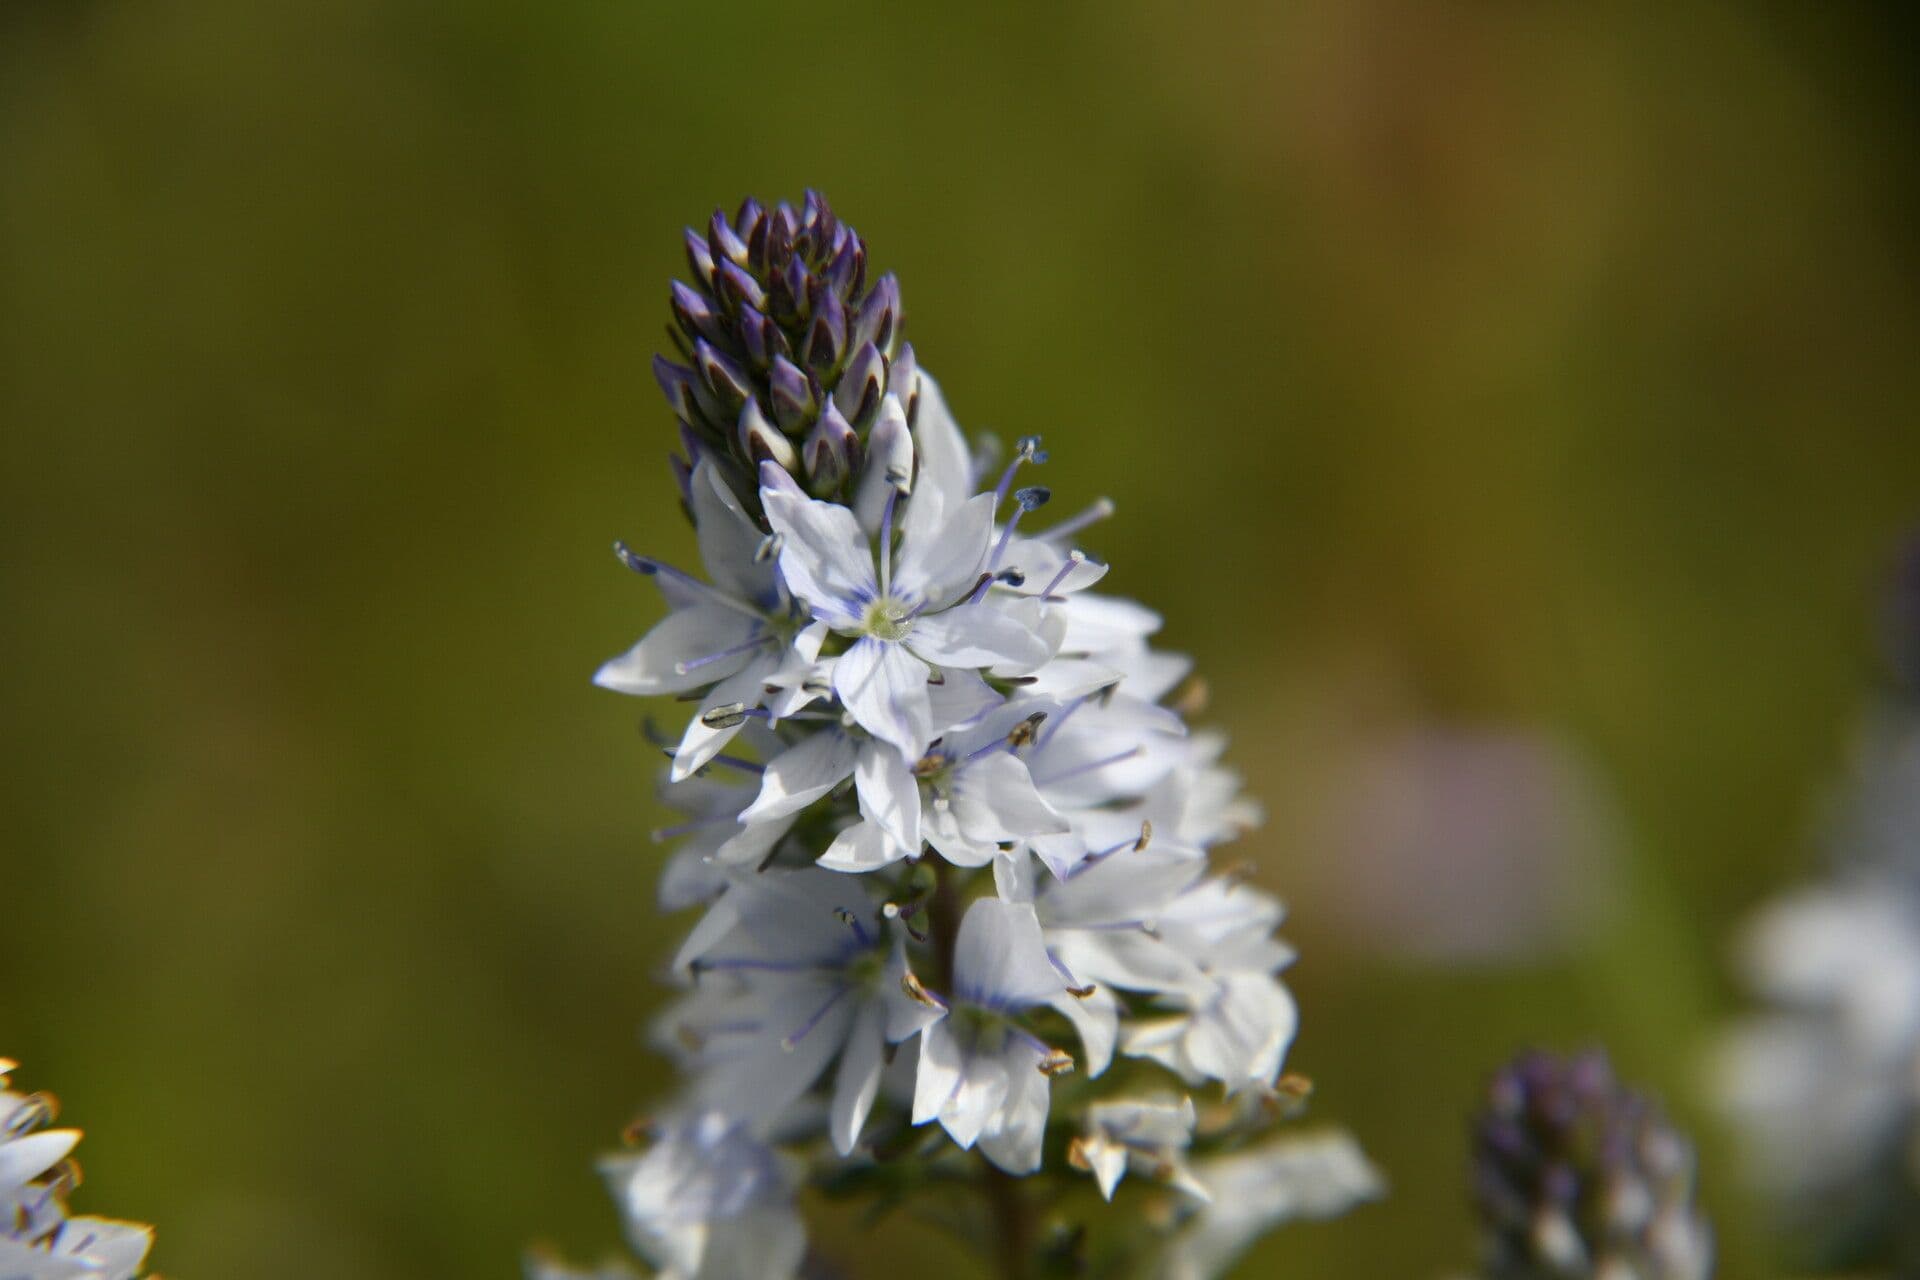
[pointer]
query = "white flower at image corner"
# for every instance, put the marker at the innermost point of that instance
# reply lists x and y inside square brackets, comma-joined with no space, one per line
[984,1078]
[1147,1135]
[797,976]
[910,613]
[709,1202]
[82,1249]
[38,1241]
[1824,1085]
[733,636]
[1306,1176]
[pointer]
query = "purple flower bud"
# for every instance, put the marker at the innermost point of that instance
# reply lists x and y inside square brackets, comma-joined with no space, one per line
[787,292]
[739,288]
[827,337]
[723,242]
[1563,1183]
[761,442]
[727,380]
[903,379]
[694,314]
[677,381]
[862,384]
[792,397]
[700,257]
[758,335]
[782,226]
[830,452]
[874,321]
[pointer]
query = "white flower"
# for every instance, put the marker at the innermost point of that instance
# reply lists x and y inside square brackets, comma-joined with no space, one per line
[982,1076]
[1307,1176]
[38,1241]
[733,636]
[802,976]
[922,608]
[969,793]
[1150,1135]
[709,1202]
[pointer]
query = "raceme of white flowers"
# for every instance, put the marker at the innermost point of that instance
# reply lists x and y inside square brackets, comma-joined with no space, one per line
[39,1239]
[949,837]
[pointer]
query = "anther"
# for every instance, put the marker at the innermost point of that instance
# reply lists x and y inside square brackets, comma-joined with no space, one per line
[725,716]
[769,548]
[1024,733]
[1056,1063]
[1146,835]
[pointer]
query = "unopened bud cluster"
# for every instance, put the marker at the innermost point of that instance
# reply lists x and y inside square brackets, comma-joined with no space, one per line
[1578,1178]
[786,355]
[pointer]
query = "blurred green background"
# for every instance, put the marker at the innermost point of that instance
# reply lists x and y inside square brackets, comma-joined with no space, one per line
[1484,369]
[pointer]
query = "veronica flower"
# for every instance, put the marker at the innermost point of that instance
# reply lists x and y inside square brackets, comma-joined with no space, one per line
[1309,1176]
[709,1202]
[967,795]
[802,976]
[1150,1135]
[907,612]
[733,636]
[982,1076]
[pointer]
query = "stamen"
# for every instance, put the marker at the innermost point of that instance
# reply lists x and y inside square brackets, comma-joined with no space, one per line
[1074,560]
[751,963]
[852,922]
[979,591]
[1056,1063]
[793,1041]
[732,651]
[1024,733]
[1025,449]
[770,547]
[648,567]
[1028,499]
[1094,513]
[1091,765]
[886,541]
[918,993]
[725,716]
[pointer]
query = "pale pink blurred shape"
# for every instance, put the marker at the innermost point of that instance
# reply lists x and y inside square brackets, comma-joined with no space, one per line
[1467,846]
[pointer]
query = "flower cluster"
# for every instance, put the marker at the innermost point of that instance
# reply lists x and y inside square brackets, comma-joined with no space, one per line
[944,818]
[39,1240]
[1823,1085]
[1579,1178]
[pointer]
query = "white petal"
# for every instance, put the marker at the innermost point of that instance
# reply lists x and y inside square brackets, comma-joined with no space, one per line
[1107,1161]
[1022,1124]
[802,774]
[994,800]
[825,558]
[977,635]
[941,552]
[729,538]
[938,1075]
[680,652]
[1000,958]
[702,742]
[906,1015]
[864,846]
[858,1080]
[945,468]
[889,464]
[889,795]
[885,691]
[961,697]
[1096,1018]
[749,846]
[24,1159]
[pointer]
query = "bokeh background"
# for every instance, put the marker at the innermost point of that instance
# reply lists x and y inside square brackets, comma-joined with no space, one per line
[1511,406]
